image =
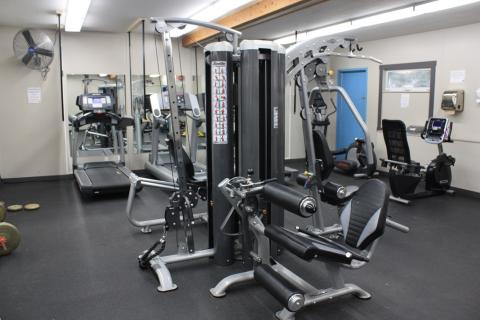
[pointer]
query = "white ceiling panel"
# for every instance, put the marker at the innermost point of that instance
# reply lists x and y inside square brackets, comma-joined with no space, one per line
[118,15]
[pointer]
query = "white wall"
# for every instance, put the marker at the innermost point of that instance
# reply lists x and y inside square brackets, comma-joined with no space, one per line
[31,135]
[453,49]
[33,139]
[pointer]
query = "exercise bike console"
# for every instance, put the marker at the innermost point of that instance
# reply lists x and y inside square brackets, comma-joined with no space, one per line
[437,130]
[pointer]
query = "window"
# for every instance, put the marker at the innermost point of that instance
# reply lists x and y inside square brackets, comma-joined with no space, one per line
[406,92]
[411,80]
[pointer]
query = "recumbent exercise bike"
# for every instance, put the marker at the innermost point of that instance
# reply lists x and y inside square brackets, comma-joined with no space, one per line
[404,173]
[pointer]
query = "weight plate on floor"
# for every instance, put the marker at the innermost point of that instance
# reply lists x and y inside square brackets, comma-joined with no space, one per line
[3,211]
[31,206]
[15,207]
[9,238]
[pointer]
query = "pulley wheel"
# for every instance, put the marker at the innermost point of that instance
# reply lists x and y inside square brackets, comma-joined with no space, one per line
[31,206]
[15,208]
[3,211]
[9,238]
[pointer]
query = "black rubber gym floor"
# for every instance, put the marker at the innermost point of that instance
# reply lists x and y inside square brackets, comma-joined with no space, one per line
[78,261]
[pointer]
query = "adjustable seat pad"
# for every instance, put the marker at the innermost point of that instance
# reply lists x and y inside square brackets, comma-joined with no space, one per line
[363,218]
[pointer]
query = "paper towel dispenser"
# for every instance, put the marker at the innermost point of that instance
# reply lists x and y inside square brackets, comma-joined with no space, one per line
[452,101]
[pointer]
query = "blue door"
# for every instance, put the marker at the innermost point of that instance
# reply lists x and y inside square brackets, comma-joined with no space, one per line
[354,81]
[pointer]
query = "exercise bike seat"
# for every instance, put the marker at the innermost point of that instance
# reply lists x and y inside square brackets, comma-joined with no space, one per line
[347,166]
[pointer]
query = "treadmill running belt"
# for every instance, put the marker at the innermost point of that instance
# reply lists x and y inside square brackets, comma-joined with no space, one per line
[105,177]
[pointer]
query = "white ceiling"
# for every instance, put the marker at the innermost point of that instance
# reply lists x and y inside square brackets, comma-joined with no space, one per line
[103,15]
[118,15]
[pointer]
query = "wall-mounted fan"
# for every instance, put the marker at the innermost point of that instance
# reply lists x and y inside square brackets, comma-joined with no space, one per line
[34,48]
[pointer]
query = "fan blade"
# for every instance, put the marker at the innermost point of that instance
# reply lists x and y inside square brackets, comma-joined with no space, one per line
[27,58]
[44,52]
[28,37]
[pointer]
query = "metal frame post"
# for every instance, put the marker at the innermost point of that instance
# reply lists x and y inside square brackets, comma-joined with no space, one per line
[220,143]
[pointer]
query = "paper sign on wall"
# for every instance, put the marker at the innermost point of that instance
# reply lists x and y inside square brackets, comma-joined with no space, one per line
[457,76]
[34,95]
[404,100]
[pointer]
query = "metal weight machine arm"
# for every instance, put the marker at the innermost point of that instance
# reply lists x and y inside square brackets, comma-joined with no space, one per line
[232,35]
[303,53]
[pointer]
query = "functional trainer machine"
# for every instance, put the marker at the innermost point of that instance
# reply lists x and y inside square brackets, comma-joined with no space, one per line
[404,173]
[179,215]
[105,177]
[245,135]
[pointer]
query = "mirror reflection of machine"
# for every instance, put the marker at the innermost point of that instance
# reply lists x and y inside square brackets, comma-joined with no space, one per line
[97,136]
[161,161]
[100,177]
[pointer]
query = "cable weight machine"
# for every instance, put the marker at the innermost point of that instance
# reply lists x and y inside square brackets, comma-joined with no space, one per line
[245,131]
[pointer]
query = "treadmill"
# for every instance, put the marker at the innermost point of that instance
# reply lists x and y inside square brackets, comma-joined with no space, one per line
[101,177]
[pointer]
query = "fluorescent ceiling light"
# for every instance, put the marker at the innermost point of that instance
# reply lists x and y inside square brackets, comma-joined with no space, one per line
[212,12]
[395,15]
[291,39]
[103,74]
[385,17]
[440,5]
[156,75]
[337,28]
[76,13]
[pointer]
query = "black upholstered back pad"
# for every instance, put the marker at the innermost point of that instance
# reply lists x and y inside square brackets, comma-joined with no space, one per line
[395,135]
[363,218]
[322,152]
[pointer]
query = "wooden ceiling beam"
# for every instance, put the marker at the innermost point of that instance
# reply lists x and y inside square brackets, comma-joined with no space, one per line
[260,10]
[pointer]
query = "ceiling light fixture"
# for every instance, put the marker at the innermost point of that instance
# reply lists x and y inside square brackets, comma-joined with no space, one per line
[390,16]
[386,17]
[212,12]
[336,28]
[293,38]
[440,5]
[76,13]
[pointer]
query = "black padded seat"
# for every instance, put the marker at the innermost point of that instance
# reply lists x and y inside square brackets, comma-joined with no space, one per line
[363,218]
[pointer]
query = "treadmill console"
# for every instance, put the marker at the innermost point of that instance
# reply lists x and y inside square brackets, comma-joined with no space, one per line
[95,102]
[437,130]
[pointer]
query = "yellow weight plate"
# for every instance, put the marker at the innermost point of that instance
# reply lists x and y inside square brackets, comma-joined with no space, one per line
[31,206]
[9,238]
[3,211]
[15,207]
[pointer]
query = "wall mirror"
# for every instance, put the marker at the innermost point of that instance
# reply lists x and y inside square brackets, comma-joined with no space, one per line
[95,139]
